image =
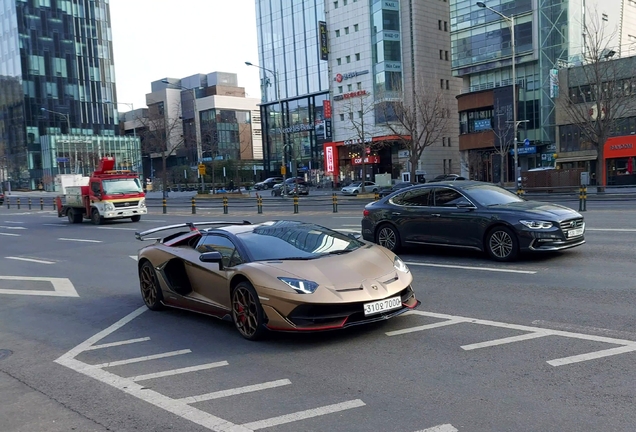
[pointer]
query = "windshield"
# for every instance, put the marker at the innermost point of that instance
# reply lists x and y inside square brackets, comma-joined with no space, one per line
[355,184]
[491,195]
[121,186]
[295,240]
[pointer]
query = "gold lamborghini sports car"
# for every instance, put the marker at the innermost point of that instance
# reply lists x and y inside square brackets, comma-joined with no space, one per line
[278,275]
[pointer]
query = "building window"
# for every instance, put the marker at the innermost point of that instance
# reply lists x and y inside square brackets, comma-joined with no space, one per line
[344,3]
[335,5]
[348,59]
[355,27]
[441,84]
[339,89]
[447,85]
[439,24]
[443,141]
[346,30]
[349,87]
[357,56]
[446,55]
[450,165]
[359,85]
[449,141]
[441,54]
[445,26]
[337,33]
[359,114]
[341,117]
[444,166]
[350,116]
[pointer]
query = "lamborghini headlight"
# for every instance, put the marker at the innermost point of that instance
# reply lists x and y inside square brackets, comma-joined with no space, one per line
[399,265]
[536,224]
[109,206]
[142,203]
[301,286]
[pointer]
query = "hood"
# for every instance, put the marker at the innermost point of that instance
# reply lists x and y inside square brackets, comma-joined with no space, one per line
[339,271]
[540,209]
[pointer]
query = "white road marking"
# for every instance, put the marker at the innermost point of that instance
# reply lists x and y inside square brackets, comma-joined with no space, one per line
[178,371]
[585,329]
[10,234]
[12,227]
[114,344]
[348,217]
[440,428]
[80,240]
[117,228]
[351,225]
[628,345]
[62,287]
[301,415]
[31,260]
[13,222]
[142,359]
[61,224]
[135,257]
[235,391]
[424,327]
[502,341]
[152,220]
[347,230]
[490,269]
[612,229]
[592,355]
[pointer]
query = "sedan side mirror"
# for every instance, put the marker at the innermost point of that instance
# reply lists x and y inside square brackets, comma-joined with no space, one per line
[465,205]
[212,257]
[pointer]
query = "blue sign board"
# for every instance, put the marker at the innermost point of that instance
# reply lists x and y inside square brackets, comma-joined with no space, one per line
[62,159]
[526,142]
[524,150]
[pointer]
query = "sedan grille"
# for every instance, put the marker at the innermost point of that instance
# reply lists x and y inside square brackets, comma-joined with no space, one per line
[572,223]
[125,204]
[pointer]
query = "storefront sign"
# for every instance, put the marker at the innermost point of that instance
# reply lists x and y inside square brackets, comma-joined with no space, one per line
[357,141]
[322,35]
[327,129]
[297,128]
[391,35]
[367,160]
[331,159]
[326,109]
[350,95]
[620,147]
[524,150]
[348,75]
[392,66]
[390,5]
[403,153]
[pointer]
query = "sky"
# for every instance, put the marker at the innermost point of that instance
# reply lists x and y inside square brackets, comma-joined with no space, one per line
[155,39]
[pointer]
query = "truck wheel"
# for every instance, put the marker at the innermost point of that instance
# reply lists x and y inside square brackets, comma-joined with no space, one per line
[135,218]
[96,218]
[71,215]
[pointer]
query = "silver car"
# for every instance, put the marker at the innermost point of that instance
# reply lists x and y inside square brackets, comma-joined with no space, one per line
[356,188]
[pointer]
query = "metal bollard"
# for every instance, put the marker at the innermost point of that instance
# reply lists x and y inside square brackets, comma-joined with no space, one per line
[224,205]
[334,199]
[41,203]
[519,192]
[29,203]
[295,204]
[194,206]
[377,196]
[165,206]
[8,203]
[259,203]
[583,198]
[18,203]
[54,204]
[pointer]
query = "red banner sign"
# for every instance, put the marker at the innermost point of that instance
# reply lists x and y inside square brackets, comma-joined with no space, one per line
[331,159]
[326,109]
[367,160]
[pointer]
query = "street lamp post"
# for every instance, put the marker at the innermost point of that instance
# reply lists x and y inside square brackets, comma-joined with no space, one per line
[511,23]
[196,126]
[280,107]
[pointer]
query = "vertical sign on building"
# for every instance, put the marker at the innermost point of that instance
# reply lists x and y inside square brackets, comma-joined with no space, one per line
[554,83]
[331,159]
[326,110]
[322,35]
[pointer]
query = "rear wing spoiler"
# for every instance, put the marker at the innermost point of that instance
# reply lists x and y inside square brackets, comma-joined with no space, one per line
[192,225]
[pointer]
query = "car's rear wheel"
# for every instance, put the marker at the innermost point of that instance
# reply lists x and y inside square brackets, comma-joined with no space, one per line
[149,285]
[388,237]
[247,312]
[502,244]
[135,218]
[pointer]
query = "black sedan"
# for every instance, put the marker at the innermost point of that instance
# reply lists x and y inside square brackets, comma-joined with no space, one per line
[472,215]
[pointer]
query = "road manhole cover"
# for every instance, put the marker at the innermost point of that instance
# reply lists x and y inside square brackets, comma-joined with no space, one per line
[4,353]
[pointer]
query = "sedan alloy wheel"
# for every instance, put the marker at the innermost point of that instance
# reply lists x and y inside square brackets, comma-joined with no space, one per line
[502,244]
[388,237]
[149,285]
[247,312]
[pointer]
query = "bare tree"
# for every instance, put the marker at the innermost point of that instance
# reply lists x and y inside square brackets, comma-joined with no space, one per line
[357,109]
[503,130]
[419,118]
[599,90]
[162,135]
[472,163]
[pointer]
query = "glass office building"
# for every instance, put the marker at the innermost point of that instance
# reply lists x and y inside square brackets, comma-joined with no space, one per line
[56,76]
[289,48]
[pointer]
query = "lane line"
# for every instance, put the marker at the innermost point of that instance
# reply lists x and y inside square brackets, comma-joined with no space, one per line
[10,234]
[61,224]
[135,257]
[30,260]
[502,341]
[302,415]
[80,240]
[62,287]
[351,225]
[490,269]
[592,355]
[585,329]
[348,217]
[13,222]
[142,359]
[235,391]
[141,392]
[347,230]
[114,344]
[152,220]
[178,371]
[12,227]
[424,327]
[440,428]
[117,228]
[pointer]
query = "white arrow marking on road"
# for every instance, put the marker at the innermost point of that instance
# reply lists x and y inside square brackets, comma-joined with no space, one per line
[440,428]
[30,260]
[62,287]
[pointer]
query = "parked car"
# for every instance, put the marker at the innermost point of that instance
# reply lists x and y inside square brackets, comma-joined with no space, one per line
[356,187]
[268,183]
[385,191]
[1,198]
[447,177]
[473,215]
[294,185]
[279,275]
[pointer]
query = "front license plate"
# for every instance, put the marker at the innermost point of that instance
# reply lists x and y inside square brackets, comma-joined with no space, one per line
[380,306]
[575,232]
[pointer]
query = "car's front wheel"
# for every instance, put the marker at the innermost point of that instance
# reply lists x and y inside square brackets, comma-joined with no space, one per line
[502,244]
[388,237]
[149,285]
[247,313]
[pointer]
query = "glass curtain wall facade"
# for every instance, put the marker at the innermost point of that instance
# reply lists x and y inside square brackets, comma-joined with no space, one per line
[225,134]
[288,47]
[60,55]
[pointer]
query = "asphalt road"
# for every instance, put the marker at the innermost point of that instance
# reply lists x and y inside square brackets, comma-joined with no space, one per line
[546,343]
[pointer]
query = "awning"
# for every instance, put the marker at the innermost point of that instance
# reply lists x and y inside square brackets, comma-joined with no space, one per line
[576,159]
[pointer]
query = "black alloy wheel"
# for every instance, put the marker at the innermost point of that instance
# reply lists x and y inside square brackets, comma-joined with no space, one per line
[149,285]
[502,244]
[247,313]
[388,237]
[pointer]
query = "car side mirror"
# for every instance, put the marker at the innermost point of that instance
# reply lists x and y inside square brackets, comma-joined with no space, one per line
[466,205]
[212,257]
[354,236]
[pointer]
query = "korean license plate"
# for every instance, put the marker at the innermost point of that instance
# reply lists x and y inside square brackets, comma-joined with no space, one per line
[575,232]
[380,306]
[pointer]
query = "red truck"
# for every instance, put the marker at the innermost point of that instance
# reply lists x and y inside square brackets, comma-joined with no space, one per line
[106,194]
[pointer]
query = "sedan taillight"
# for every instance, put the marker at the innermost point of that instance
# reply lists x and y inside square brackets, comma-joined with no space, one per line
[366,213]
